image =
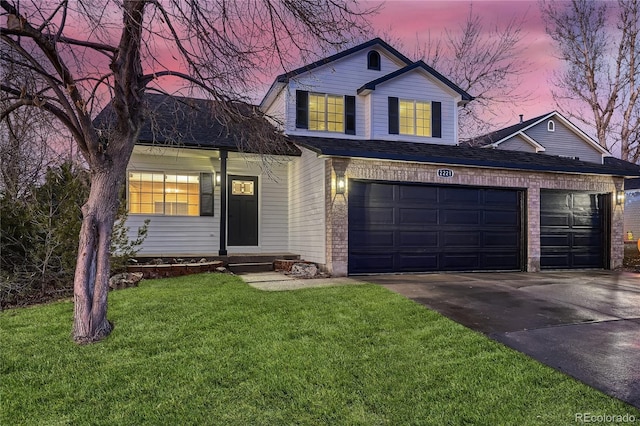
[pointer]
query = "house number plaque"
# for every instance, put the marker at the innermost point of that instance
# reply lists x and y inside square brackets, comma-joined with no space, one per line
[445,173]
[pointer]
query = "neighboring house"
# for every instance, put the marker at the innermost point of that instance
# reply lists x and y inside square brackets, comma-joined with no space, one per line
[374,181]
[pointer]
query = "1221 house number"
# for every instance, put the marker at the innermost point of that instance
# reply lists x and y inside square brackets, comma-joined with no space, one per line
[445,173]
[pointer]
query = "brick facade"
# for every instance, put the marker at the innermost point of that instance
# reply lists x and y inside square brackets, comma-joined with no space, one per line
[394,171]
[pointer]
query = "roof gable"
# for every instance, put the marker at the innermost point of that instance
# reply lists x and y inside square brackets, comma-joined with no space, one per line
[366,88]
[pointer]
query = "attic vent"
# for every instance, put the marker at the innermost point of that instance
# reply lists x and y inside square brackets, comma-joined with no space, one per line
[373,60]
[551,126]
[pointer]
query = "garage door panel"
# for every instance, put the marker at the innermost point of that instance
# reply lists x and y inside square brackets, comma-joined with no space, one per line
[374,240]
[461,239]
[372,262]
[426,239]
[556,219]
[587,240]
[499,197]
[426,195]
[459,217]
[555,240]
[501,218]
[416,216]
[469,196]
[501,239]
[457,229]
[417,262]
[375,215]
[585,220]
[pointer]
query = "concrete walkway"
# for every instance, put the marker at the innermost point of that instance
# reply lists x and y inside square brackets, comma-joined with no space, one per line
[275,281]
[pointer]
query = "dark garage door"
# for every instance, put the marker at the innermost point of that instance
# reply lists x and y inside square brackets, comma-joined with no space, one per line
[418,228]
[572,230]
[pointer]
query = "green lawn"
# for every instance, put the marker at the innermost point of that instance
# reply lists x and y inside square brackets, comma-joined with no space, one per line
[208,349]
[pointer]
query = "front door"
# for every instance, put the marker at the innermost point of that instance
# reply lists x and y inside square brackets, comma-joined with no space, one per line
[243,211]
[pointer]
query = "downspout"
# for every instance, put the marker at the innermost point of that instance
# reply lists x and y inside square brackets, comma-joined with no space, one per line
[223,202]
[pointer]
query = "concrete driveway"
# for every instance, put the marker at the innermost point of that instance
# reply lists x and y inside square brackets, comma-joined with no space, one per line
[586,324]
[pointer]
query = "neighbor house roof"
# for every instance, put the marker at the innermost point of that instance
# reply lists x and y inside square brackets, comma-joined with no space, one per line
[495,138]
[632,184]
[456,155]
[192,123]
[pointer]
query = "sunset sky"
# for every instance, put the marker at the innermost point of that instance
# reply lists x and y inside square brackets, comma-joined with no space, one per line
[410,22]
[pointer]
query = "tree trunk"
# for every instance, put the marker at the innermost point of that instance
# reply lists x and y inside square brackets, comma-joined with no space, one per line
[91,282]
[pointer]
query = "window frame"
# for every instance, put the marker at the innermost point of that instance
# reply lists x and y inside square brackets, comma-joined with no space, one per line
[326,113]
[164,201]
[370,63]
[427,121]
[551,126]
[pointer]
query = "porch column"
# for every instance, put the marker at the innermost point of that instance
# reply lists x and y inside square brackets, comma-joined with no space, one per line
[223,202]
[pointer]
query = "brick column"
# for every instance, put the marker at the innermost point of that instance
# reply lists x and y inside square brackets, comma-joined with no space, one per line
[533,227]
[337,220]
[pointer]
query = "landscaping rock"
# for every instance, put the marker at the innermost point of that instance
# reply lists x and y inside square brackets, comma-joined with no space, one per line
[125,280]
[304,270]
[221,269]
[203,260]
[156,261]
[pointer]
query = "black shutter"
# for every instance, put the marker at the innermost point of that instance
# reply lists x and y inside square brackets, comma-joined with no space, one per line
[350,115]
[394,116]
[302,109]
[206,194]
[436,119]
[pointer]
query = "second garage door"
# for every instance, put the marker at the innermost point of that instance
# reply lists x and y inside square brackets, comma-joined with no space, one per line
[396,227]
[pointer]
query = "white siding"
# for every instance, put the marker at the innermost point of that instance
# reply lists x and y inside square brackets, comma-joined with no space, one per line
[517,143]
[199,236]
[342,77]
[176,235]
[414,85]
[307,229]
[563,141]
[276,111]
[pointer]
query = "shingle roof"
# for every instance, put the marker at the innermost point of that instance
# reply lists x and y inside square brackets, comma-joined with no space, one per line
[456,155]
[420,64]
[188,122]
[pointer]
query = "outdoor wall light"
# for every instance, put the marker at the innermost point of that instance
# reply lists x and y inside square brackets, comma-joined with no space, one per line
[619,197]
[341,183]
[218,179]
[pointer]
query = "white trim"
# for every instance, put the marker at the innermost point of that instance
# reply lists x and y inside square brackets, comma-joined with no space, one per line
[551,126]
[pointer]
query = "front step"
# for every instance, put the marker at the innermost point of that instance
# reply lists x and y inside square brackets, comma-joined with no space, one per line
[240,268]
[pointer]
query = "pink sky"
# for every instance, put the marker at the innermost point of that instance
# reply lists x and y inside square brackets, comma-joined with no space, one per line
[408,21]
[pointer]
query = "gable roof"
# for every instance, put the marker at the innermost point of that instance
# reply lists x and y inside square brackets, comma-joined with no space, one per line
[191,122]
[494,139]
[457,155]
[416,65]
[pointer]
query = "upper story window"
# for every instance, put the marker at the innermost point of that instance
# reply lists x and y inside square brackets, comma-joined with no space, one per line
[373,60]
[551,126]
[415,117]
[169,194]
[326,112]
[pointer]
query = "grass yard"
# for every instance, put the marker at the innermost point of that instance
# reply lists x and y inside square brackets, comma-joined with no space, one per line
[208,349]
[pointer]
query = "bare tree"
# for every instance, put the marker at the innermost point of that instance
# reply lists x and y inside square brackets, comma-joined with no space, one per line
[487,63]
[600,84]
[114,48]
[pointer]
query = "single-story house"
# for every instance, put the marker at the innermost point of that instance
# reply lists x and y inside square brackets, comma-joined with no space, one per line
[372,180]
[632,209]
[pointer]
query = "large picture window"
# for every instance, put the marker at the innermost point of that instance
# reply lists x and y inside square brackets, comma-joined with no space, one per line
[326,112]
[415,118]
[164,193]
